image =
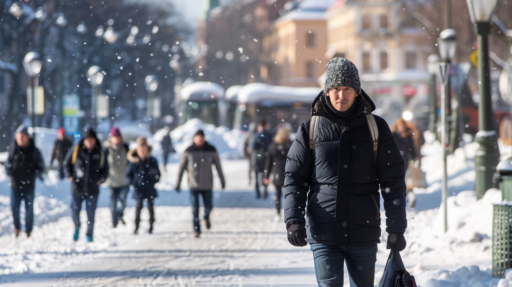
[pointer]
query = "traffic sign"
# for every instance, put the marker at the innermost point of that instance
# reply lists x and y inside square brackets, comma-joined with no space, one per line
[473,58]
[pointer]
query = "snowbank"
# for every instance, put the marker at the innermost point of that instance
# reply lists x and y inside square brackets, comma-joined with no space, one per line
[228,143]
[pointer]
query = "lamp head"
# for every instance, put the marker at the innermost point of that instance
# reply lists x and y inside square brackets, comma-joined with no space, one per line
[32,64]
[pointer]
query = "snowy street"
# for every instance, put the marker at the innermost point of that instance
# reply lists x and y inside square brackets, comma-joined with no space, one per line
[246,246]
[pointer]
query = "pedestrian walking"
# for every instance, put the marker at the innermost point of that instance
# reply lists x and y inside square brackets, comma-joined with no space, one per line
[334,170]
[276,162]
[167,147]
[143,173]
[24,164]
[249,138]
[262,139]
[86,169]
[197,160]
[404,138]
[116,152]
[61,148]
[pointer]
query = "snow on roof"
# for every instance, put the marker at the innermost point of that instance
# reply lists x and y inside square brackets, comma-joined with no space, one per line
[309,10]
[232,93]
[257,92]
[202,91]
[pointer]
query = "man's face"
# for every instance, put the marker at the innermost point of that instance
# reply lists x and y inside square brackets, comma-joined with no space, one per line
[198,140]
[60,136]
[142,152]
[22,139]
[342,98]
[116,140]
[89,143]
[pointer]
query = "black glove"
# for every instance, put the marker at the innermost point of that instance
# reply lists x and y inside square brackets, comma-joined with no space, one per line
[297,234]
[397,240]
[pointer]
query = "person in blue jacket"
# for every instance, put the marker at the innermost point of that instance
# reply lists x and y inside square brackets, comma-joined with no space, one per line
[334,179]
[143,173]
[262,140]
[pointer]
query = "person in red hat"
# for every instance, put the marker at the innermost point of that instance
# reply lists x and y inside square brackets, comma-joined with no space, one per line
[61,148]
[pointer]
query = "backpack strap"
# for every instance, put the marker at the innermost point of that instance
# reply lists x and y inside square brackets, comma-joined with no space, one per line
[313,130]
[374,130]
[75,155]
[102,159]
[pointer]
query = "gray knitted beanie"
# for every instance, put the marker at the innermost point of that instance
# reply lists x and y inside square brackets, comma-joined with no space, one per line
[342,72]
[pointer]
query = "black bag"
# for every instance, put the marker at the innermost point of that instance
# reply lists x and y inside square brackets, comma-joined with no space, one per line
[395,274]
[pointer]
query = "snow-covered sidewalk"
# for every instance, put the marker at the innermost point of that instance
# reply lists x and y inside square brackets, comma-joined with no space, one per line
[247,246]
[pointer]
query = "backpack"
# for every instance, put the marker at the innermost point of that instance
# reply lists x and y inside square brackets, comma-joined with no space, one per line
[75,155]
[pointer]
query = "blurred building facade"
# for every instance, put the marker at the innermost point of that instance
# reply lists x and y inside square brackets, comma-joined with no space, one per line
[294,46]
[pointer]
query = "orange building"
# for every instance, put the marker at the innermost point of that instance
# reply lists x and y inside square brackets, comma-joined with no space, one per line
[294,47]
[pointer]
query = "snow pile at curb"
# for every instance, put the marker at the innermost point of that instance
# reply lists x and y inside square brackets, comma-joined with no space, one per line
[45,210]
[463,277]
[228,143]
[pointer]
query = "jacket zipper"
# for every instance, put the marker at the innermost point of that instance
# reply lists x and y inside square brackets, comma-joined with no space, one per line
[376,206]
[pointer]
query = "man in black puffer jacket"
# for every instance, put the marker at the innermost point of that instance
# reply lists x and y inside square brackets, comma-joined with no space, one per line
[24,164]
[86,168]
[336,184]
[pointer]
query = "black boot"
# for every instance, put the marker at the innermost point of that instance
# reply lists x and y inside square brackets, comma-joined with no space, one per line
[150,228]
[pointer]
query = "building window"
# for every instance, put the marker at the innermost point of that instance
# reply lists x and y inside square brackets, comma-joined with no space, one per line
[410,60]
[366,62]
[383,22]
[310,70]
[366,22]
[310,39]
[383,60]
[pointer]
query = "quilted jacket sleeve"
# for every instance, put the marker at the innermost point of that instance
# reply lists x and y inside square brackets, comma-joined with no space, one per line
[390,167]
[299,164]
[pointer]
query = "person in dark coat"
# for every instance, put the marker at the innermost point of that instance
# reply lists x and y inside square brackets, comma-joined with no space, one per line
[247,148]
[336,183]
[404,138]
[262,139]
[86,169]
[24,164]
[198,160]
[61,148]
[275,163]
[116,152]
[166,144]
[143,173]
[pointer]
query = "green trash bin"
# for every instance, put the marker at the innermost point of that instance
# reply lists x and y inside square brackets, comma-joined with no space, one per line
[501,239]
[504,178]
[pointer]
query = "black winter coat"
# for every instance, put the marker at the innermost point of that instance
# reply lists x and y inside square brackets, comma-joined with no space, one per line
[24,165]
[167,145]
[143,175]
[60,150]
[260,144]
[89,168]
[276,162]
[340,186]
[405,144]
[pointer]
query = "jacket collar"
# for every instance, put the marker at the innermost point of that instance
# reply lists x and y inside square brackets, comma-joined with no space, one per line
[366,105]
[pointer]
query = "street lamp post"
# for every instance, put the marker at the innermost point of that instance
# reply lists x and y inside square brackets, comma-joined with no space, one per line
[488,154]
[447,44]
[95,75]
[151,82]
[32,64]
[433,70]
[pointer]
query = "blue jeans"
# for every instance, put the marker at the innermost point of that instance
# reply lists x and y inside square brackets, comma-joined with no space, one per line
[28,197]
[118,202]
[208,205]
[258,179]
[61,172]
[90,206]
[329,264]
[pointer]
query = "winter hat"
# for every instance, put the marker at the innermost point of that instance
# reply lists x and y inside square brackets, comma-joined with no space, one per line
[89,133]
[62,131]
[115,132]
[199,133]
[142,141]
[342,72]
[22,129]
